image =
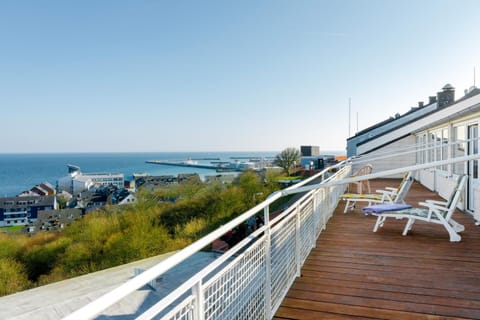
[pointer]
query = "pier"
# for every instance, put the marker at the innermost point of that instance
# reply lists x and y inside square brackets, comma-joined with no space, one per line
[217,168]
[182,164]
[254,163]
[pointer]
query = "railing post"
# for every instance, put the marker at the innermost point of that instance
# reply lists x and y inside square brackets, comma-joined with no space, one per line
[268,265]
[326,207]
[316,219]
[314,226]
[197,292]
[298,241]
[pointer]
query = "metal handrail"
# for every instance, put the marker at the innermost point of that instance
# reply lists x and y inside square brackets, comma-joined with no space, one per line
[318,205]
[108,299]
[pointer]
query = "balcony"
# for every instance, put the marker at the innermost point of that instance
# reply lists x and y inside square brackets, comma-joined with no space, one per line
[354,272]
[351,272]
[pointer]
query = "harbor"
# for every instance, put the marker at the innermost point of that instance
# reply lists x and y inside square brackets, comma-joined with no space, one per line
[253,163]
[186,163]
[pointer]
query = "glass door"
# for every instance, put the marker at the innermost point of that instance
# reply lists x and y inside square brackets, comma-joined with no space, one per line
[472,167]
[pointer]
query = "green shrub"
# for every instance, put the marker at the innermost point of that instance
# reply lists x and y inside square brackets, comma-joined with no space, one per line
[13,276]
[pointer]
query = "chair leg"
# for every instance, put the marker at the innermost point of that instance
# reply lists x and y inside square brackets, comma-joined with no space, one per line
[379,223]
[408,226]
[454,237]
[456,226]
[347,205]
[350,205]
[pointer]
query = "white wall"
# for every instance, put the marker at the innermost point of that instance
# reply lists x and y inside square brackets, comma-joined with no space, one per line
[387,163]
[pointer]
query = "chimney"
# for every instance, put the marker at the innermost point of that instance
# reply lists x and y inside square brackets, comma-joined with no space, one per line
[432,99]
[420,104]
[447,96]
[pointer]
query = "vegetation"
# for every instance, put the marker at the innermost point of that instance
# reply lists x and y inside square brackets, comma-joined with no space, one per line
[287,159]
[290,178]
[163,220]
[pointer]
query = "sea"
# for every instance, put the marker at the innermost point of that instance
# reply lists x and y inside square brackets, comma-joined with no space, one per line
[20,172]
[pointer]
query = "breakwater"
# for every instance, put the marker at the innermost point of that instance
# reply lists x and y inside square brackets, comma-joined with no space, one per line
[183,164]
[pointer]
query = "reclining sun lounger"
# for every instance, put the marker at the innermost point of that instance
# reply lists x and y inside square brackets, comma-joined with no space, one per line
[439,212]
[389,195]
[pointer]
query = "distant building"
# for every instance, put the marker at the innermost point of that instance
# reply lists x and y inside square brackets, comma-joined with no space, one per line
[17,211]
[153,182]
[318,162]
[42,189]
[121,197]
[184,177]
[76,181]
[309,151]
[223,178]
[48,220]
[92,199]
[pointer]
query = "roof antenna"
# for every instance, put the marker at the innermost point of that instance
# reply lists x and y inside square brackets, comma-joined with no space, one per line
[474,76]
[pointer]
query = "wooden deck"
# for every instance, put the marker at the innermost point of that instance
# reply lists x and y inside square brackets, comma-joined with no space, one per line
[354,273]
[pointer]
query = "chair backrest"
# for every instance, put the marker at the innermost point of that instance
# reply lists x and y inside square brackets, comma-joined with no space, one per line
[455,196]
[367,169]
[403,188]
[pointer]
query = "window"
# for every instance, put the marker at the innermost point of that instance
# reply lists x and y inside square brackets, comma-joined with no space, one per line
[421,145]
[430,147]
[438,146]
[444,147]
[459,146]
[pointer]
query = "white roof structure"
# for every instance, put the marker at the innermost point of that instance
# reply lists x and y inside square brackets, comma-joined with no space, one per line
[57,300]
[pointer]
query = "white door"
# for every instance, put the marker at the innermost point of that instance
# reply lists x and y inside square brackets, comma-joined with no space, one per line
[472,168]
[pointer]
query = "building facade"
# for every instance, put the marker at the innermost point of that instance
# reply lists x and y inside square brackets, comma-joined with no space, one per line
[17,211]
[448,130]
[76,181]
[310,151]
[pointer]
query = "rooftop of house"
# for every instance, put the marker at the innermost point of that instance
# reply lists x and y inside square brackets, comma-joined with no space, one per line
[26,201]
[433,100]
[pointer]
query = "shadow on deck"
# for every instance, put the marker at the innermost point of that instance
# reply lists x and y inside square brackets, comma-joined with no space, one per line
[354,273]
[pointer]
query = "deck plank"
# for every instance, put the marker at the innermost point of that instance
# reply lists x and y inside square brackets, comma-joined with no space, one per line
[354,273]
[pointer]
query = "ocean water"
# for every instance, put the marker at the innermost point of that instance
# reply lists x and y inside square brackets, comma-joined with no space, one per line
[20,172]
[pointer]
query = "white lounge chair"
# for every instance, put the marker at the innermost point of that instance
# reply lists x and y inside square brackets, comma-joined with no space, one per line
[439,212]
[389,195]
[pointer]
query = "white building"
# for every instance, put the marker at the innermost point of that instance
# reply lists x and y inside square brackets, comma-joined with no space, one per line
[76,181]
[442,130]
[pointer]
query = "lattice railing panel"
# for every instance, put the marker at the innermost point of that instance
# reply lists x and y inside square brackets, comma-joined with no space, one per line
[238,291]
[307,231]
[283,265]
[182,311]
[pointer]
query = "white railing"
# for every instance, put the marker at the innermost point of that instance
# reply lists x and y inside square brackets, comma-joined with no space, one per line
[250,280]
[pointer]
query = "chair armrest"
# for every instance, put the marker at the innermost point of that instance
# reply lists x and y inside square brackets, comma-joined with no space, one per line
[433,206]
[391,189]
[387,195]
[444,203]
[386,191]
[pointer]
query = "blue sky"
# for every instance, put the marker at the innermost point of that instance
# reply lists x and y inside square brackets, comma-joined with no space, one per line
[102,76]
